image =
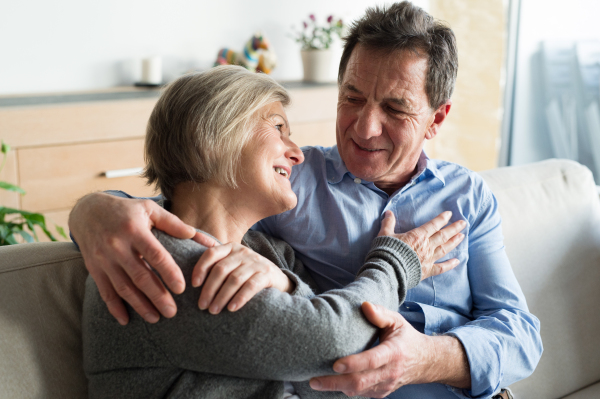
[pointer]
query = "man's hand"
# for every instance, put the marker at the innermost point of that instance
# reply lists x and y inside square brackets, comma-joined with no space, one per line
[404,356]
[430,241]
[114,237]
[232,274]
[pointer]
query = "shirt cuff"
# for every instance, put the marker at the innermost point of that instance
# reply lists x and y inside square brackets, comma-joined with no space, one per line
[483,352]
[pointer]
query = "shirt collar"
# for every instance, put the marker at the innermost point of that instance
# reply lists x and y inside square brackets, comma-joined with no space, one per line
[336,169]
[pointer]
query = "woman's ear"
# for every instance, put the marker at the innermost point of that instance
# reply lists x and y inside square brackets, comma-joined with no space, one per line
[439,118]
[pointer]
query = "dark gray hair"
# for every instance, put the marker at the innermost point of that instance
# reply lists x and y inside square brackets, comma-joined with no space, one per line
[202,122]
[404,26]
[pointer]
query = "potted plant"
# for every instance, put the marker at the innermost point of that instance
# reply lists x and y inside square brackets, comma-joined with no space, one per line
[16,225]
[316,41]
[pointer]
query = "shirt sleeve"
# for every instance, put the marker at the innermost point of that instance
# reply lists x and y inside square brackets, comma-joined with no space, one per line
[503,342]
[278,336]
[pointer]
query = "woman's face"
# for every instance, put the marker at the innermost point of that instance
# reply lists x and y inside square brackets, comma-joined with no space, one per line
[267,162]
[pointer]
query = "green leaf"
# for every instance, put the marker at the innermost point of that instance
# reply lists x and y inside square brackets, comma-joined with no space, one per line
[11,187]
[61,231]
[11,240]
[47,232]
[26,236]
[5,148]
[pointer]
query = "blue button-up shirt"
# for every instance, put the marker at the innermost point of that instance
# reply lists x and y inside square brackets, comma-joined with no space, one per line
[479,302]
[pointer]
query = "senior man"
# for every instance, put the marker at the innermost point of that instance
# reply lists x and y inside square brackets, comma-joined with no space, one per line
[464,333]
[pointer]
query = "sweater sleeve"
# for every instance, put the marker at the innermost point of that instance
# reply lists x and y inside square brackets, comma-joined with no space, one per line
[278,336]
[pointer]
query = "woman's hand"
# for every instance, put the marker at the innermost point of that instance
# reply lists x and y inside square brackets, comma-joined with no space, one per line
[430,241]
[232,274]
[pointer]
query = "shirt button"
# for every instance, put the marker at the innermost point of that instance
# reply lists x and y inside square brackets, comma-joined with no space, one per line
[434,334]
[357,181]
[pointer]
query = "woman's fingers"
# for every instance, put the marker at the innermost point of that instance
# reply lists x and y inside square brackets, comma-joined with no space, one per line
[207,261]
[443,249]
[434,225]
[248,291]
[447,233]
[439,268]
[387,224]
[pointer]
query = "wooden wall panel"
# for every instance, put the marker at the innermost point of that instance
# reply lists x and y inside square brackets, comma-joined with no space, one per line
[55,177]
[315,133]
[471,134]
[312,104]
[75,123]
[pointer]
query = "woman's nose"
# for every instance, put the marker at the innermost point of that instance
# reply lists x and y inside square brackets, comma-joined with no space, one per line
[294,153]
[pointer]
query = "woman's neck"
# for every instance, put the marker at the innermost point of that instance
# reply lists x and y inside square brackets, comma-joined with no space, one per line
[213,209]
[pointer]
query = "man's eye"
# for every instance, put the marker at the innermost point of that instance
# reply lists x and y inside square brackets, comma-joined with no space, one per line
[394,110]
[353,99]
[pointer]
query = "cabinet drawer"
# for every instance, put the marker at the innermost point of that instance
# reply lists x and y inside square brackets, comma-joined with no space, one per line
[75,123]
[55,177]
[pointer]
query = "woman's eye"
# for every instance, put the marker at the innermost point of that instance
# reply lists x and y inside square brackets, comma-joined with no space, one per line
[279,126]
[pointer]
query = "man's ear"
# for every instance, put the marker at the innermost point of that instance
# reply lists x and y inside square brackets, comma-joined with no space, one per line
[438,118]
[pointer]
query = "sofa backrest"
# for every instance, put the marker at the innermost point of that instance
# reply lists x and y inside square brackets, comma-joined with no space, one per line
[41,297]
[551,223]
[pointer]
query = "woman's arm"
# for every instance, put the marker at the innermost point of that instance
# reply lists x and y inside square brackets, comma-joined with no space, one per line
[277,335]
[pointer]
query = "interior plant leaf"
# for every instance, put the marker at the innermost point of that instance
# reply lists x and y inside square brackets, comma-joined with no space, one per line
[5,148]
[26,236]
[11,187]
[61,231]
[16,223]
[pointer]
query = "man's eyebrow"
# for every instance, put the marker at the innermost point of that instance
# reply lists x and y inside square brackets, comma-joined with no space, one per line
[402,102]
[279,115]
[352,88]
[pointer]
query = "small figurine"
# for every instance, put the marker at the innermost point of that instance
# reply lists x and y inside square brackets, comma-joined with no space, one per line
[256,55]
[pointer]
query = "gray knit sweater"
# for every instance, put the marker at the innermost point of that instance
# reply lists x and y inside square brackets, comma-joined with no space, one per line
[246,354]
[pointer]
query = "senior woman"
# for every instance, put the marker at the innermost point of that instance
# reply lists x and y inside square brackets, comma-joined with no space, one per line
[218,148]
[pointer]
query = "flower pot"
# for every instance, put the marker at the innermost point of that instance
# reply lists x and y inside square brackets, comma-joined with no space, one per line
[316,65]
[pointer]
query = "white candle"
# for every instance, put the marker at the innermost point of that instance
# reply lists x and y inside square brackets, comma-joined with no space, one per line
[152,70]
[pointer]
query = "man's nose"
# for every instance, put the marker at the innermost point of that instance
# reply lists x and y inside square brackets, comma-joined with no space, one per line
[369,123]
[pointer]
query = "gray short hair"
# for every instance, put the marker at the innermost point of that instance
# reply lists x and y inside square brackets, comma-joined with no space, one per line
[404,26]
[201,123]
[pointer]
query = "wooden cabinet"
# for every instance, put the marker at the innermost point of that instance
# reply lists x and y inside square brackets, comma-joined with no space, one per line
[65,144]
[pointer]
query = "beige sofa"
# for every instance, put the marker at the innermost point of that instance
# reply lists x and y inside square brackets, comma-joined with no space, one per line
[551,217]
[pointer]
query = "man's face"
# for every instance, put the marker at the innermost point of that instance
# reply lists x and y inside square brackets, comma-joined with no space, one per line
[383,116]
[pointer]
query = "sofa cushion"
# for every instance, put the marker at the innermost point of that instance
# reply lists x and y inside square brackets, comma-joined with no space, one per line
[41,296]
[591,392]
[551,223]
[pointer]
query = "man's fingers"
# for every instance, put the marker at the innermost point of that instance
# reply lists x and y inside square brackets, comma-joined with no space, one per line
[113,301]
[125,288]
[207,261]
[169,223]
[387,224]
[161,260]
[381,317]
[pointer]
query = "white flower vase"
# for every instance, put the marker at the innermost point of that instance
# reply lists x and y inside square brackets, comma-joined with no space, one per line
[316,65]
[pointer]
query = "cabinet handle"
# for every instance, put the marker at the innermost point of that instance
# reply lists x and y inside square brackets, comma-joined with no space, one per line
[111,174]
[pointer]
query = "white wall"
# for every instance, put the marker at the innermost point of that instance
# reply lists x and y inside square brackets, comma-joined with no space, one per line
[71,45]
[544,20]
